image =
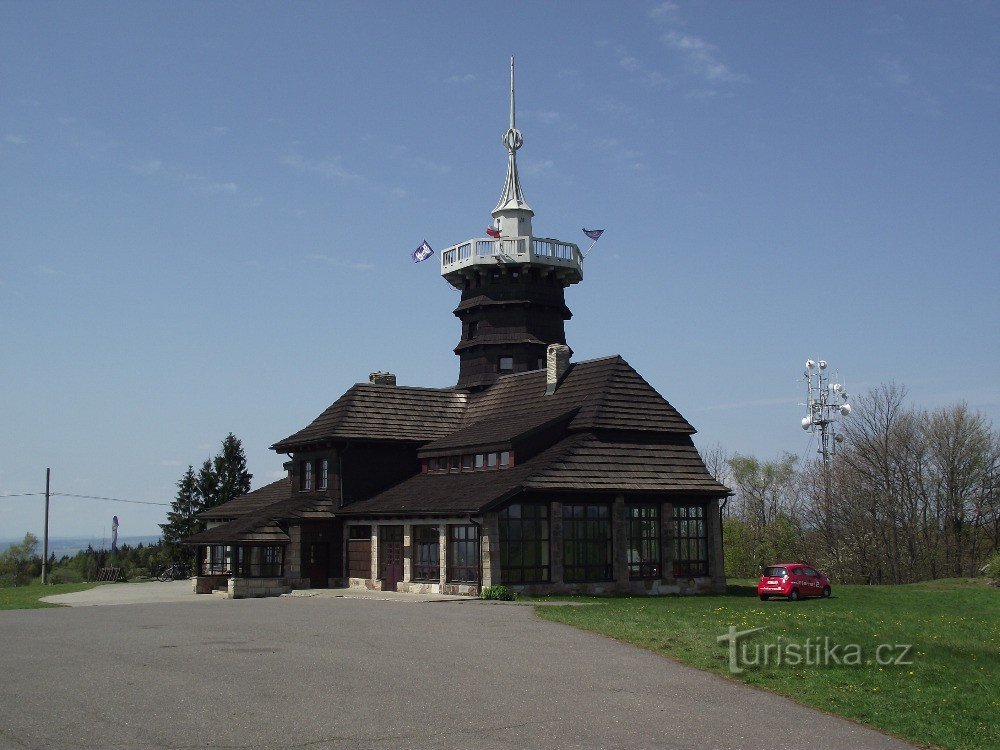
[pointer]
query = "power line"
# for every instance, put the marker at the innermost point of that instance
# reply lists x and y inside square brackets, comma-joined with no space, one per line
[112,499]
[86,497]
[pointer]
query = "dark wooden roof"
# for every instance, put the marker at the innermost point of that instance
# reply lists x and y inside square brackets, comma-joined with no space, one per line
[260,525]
[592,463]
[467,492]
[383,412]
[252,501]
[583,462]
[496,431]
[608,393]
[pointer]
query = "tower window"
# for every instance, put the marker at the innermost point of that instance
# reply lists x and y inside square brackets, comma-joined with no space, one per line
[505,364]
[473,329]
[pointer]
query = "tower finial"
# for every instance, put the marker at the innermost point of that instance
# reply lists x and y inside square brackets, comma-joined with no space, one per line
[512,197]
[512,126]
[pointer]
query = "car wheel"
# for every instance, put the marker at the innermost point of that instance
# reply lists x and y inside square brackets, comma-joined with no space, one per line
[794,596]
[764,597]
[827,592]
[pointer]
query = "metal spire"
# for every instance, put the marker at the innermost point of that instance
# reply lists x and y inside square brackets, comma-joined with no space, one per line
[512,197]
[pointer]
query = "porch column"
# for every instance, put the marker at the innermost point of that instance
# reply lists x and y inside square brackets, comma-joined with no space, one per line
[713,527]
[407,552]
[619,544]
[667,540]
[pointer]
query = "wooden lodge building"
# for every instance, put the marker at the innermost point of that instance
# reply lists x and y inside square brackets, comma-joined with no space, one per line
[533,471]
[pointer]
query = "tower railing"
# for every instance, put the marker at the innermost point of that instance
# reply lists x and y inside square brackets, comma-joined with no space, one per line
[518,250]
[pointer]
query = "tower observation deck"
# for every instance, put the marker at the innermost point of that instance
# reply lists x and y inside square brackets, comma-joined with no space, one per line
[513,304]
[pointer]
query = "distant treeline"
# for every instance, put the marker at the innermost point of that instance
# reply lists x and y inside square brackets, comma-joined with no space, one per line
[21,563]
[911,495]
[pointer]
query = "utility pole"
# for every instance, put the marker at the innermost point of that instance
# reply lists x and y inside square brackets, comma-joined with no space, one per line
[45,532]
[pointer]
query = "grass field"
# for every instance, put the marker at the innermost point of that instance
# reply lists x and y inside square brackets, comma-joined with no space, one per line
[949,696]
[26,597]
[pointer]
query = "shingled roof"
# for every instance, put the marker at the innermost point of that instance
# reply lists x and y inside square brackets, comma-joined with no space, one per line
[260,524]
[251,502]
[383,412]
[579,463]
[608,393]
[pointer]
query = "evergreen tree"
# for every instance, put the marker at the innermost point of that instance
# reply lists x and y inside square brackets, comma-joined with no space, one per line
[208,485]
[230,465]
[180,518]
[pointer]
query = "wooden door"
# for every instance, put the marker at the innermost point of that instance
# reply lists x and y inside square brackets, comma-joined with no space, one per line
[390,554]
[316,555]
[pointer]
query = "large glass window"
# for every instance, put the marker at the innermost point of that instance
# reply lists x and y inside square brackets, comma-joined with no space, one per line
[524,543]
[690,541]
[218,560]
[270,562]
[463,554]
[587,543]
[426,553]
[643,541]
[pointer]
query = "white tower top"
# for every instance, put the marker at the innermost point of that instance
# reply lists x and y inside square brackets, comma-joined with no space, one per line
[516,249]
[512,210]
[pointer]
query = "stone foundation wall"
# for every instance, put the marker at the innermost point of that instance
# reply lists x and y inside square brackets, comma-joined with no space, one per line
[460,589]
[366,584]
[207,584]
[250,588]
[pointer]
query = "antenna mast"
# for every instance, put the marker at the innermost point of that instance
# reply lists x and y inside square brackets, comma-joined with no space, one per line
[825,401]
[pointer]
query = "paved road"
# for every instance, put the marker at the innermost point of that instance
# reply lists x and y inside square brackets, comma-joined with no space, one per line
[328,673]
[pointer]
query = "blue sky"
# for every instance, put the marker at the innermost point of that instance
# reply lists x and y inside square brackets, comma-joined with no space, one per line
[207,210]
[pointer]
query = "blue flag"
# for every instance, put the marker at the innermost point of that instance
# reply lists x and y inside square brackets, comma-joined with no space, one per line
[422,253]
[594,234]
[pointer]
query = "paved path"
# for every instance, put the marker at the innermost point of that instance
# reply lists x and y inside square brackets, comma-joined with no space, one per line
[109,594]
[181,591]
[334,673]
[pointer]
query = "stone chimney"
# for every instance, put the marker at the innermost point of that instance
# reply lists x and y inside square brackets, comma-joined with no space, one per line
[382,378]
[556,363]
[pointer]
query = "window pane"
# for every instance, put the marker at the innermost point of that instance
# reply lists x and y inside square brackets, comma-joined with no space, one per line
[524,543]
[587,542]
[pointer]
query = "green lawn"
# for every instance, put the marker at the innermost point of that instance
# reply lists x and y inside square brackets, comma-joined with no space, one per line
[948,697]
[26,597]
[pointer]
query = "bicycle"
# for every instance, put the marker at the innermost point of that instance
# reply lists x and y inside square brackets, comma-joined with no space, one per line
[174,572]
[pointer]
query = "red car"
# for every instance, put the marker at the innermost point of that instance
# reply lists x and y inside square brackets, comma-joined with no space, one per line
[793,580]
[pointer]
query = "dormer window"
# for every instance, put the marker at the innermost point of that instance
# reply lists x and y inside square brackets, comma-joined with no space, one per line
[306,476]
[505,365]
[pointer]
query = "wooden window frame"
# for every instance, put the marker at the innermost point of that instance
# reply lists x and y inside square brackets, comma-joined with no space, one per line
[690,529]
[587,538]
[305,476]
[459,539]
[523,536]
[425,548]
[323,475]
[643,535]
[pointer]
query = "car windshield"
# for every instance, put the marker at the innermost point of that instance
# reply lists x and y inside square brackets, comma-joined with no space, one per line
[774,571]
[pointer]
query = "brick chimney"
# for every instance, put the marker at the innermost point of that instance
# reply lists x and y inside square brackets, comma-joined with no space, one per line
[382,378]
[556,363]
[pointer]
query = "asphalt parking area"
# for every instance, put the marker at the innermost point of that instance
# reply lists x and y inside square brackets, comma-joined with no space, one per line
[301,672]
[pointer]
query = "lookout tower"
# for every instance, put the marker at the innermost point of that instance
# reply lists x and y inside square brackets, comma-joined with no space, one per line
[513,303]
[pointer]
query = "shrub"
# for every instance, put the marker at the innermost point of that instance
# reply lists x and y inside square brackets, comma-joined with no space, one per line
[993,569]
[500,593]
[65,575]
